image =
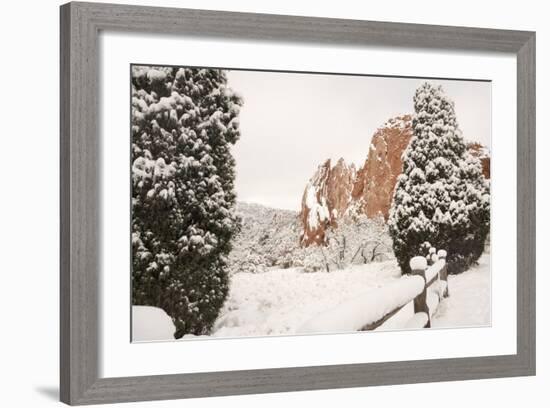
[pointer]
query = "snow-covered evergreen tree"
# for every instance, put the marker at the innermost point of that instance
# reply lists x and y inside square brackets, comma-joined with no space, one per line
[441,197]
[184,122]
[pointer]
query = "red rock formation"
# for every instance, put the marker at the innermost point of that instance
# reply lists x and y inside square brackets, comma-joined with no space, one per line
[326,197]
[340,191]
[373,189]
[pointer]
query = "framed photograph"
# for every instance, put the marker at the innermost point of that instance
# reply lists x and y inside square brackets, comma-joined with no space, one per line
[291,203]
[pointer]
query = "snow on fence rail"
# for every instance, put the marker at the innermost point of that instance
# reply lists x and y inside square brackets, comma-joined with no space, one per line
[424,287]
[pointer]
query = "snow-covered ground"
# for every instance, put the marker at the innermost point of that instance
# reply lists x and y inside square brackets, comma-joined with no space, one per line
[469,303]
[280,301]
[283,301]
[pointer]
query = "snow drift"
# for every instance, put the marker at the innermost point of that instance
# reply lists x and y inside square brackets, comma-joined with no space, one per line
[151,323]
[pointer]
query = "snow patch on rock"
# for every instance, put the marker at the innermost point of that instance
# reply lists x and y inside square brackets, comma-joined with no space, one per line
[318,212]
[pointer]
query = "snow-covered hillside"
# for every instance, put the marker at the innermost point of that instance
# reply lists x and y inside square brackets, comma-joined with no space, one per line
[269,237]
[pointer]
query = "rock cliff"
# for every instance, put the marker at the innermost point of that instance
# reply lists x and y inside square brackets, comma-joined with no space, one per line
[342,190]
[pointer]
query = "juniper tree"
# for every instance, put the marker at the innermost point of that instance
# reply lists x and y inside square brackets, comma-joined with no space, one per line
[441,197]
[184,122]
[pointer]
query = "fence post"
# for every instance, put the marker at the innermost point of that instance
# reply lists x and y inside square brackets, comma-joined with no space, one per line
[429,257]
[418,266]
[443,274]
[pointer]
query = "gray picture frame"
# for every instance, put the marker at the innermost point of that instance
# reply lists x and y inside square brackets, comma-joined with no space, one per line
[80,237]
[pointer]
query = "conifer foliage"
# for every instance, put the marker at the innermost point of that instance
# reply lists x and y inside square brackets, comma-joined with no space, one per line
[441,197]
[184,122]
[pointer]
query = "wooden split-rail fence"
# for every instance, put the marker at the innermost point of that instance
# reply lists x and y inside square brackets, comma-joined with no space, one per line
[433,270]
[424,288]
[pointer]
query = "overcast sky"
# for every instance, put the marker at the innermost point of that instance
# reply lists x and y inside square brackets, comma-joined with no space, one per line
[291,123]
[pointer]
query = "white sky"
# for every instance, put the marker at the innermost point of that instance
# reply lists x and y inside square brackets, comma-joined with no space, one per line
[291,123]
